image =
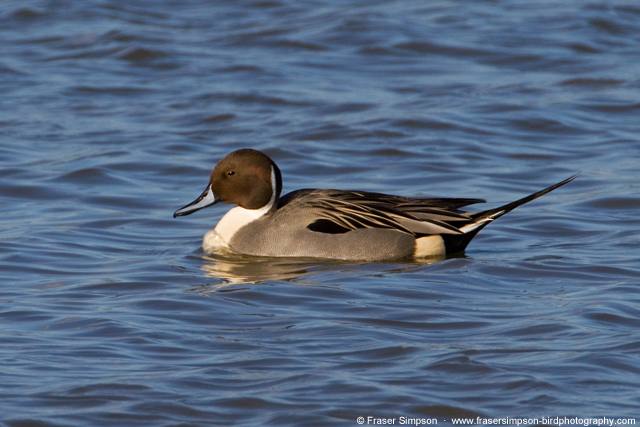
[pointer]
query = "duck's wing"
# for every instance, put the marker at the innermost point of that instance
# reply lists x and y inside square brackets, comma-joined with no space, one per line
[338,211]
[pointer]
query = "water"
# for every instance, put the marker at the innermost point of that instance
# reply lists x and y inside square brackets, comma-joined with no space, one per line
[113,113]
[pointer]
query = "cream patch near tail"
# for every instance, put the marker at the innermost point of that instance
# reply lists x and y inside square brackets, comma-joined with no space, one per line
[429,246]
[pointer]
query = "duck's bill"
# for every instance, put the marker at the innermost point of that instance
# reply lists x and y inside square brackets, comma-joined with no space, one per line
[206,199]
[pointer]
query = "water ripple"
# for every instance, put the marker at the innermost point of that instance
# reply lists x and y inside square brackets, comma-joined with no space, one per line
[113,115]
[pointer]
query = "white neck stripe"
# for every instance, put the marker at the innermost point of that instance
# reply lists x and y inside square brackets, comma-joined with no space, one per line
[274,187]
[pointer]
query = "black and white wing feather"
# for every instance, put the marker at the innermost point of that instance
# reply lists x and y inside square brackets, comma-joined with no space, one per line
[337,211]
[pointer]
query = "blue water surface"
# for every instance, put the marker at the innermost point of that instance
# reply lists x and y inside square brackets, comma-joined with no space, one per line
[112,115]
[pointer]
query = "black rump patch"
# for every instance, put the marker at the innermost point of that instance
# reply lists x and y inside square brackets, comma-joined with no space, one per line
[327,226]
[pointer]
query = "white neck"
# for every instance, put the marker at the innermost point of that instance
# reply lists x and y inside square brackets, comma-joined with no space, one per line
[238,217]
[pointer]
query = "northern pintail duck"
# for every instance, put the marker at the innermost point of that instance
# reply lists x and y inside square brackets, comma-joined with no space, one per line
[338,224]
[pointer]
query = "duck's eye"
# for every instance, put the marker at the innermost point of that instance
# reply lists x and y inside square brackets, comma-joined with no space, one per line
[231,173]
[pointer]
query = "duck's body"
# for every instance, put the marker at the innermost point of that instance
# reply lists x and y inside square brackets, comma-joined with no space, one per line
[337,224]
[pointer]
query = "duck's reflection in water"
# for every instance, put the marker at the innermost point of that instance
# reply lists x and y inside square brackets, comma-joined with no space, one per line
[235,269]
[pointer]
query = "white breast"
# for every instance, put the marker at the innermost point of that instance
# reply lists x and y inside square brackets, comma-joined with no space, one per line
[219,238]
[235,219]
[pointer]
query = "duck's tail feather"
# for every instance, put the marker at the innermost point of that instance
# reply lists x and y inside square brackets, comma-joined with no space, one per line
[482,219]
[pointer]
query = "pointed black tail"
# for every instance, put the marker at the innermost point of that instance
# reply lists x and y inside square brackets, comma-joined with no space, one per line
[492,214]
[458,242]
